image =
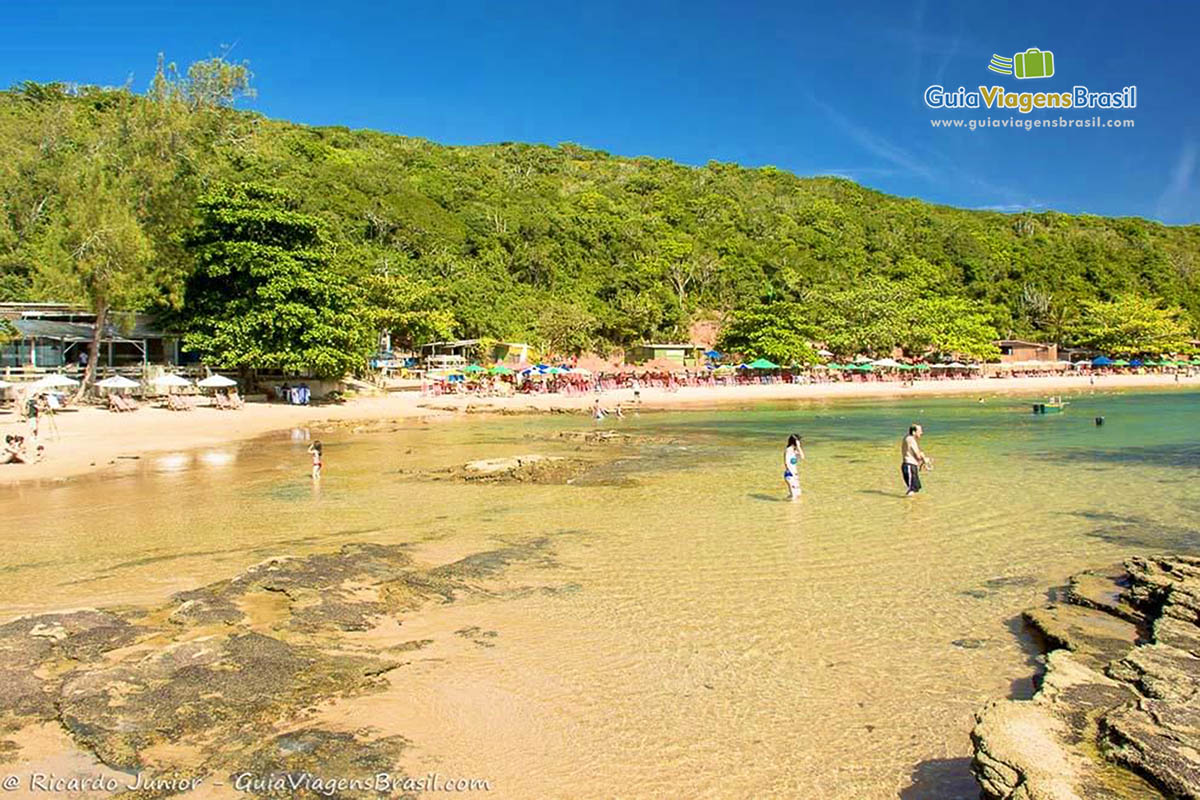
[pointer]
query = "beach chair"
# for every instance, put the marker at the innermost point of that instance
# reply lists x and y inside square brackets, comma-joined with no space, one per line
[128,403]
[235,400]
[114,404]
[221,402]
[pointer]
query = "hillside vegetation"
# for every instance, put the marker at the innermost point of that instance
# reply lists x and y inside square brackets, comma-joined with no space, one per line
[573,249]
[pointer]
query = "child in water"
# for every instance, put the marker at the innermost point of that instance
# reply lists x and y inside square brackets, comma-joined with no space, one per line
[317,462]
[793,454]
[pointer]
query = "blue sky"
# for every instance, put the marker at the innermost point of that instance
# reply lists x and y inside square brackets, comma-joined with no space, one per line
[816,89]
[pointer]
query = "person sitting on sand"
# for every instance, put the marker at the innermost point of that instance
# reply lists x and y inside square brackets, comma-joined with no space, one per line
[793,454]
[14,450]
[317,458]
[913,459]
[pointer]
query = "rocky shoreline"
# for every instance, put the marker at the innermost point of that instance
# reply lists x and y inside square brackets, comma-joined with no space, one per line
[1117,715]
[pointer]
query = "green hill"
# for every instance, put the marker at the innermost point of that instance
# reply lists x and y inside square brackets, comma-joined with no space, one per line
[564,246]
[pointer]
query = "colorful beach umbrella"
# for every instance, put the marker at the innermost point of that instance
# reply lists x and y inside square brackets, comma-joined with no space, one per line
[500,369]
[1120,362]
[762,363]
[473,368]
[1102,361]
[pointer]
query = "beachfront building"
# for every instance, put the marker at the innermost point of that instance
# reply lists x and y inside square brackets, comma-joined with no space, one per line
[473,350]
[1018,350]
[685,355]
[53,335]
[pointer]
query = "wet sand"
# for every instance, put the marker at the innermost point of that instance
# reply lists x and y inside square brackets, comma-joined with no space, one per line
[90,440]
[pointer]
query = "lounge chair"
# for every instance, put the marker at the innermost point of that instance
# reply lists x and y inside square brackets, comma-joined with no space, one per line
[114,403]
[235,400]
[221,402]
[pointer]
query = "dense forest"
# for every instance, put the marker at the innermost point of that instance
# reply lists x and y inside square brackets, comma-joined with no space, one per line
[106,192]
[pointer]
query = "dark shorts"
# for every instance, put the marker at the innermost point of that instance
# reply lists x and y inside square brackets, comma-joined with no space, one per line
[912,476]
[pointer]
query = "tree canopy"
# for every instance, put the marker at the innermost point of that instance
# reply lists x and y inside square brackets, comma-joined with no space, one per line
[568,248]
[263,294]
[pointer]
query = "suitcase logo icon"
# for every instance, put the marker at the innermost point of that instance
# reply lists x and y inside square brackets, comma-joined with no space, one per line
[1033,63]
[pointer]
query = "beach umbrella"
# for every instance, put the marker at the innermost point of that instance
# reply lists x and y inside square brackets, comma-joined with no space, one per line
[53,382]
[117,382]
[864,367]
[217,382]
[1137,362]
[905,367]
[1120,362]
[583,371]
[169,380]
[762,363]
[890,363]
[473,368]
[1102,361]
[861,359]
[825,353]
[712,354]
[921,367]
[500,369]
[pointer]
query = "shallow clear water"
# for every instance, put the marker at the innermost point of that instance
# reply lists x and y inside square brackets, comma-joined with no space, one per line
[692,634]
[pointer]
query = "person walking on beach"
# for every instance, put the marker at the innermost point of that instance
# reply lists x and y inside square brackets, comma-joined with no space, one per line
[912,459]
[317,459]
[793,454]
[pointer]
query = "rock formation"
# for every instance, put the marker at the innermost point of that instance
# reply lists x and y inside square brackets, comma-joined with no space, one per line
[1118,711]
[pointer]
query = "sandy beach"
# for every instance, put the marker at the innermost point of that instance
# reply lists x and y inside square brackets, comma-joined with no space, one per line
[88,440]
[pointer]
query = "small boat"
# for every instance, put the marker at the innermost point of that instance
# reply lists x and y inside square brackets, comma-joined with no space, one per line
[1053,407]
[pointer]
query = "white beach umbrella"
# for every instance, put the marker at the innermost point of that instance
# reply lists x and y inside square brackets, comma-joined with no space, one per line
[117,382]
[956,365]
[886,362]
[171,380]
[53,382]
[217,382]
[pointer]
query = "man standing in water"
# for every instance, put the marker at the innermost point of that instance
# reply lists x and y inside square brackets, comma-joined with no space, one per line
[912,458]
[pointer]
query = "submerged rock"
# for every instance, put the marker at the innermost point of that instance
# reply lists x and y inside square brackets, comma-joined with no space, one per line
[226,677]
[1118,712]
[530,468]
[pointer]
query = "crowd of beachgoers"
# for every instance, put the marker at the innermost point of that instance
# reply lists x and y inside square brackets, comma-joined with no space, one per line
[568,380]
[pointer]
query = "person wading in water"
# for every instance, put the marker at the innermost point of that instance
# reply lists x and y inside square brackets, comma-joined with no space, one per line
[912,459]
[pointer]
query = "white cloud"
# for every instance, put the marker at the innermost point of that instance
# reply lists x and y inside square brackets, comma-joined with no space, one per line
[1179,184]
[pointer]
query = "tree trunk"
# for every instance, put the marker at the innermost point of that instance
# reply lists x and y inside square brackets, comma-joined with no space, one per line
[89,373]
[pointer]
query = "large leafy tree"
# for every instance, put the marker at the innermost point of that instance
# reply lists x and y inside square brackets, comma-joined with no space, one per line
[263,294]
[1131,324]
[778,332]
